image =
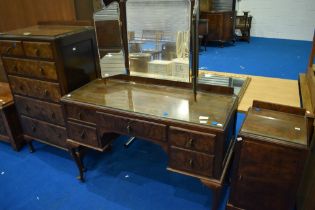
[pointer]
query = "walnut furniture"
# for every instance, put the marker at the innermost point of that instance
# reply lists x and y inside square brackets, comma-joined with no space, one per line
[196,135]
[10,129]
[43,63]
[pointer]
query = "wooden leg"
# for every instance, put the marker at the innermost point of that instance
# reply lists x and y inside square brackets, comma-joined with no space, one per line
[216,197]
[78,163]
[30,146]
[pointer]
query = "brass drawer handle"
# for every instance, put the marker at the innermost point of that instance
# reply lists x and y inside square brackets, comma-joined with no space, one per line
[80,116]
[53,116]
[46,92]
[27,108]
[83,134]
[33,128]
[15,68]
[190,143]
[128,128]
[42,70]
[191,163]
[37,52]
[9,50]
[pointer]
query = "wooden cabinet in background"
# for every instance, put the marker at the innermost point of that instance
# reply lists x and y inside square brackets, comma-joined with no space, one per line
[43,63]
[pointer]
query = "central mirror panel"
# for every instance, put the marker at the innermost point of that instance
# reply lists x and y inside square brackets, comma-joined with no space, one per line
[159,38]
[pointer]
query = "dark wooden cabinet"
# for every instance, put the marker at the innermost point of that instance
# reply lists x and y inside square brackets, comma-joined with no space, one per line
[43,63]
[10,129]
[270,156]
[220,25]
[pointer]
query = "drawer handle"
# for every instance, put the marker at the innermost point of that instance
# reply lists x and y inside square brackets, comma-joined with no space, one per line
[83,134]
[53,116]
[191,163]
[27,108]
[37,52]
[21,87]
[46,93]
[9,50]
[42,70]
[33,128]
[15,68]
[128,128]
[59,136]
[240,177]
[190,143]
[80,116]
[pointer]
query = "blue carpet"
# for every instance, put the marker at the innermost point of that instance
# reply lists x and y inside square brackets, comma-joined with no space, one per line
[279,58]
[135,178]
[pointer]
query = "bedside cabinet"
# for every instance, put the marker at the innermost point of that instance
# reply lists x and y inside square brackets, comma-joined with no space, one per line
[10,129]
[43,63]
[270,155]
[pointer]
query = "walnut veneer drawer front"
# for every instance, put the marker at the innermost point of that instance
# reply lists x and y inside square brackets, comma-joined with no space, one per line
[8,47]
[133,127]
[198,141]
[2,127]
[81,114]
[44,131]
[193,162]
[31,68]
[40,110]
[83,134]
[35,88]
[38,50]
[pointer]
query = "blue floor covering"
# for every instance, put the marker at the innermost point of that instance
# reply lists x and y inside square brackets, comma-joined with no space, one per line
[135,178]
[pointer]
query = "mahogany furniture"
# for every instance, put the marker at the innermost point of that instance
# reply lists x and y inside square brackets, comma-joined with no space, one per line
[43,63]
[10,129]
[196,135]
[305,200]
[270,155]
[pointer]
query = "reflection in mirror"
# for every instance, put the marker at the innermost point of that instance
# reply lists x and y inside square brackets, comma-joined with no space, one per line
[158,38]
[314,63]
[109,41]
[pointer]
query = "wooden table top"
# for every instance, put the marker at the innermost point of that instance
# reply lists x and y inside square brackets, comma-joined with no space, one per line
[6,97]
[277,125]
[160,101]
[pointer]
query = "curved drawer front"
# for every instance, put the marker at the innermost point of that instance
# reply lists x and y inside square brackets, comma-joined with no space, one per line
[83,134]
[35,88]
[192,140]
[31,68]
[11,48]
[193,162]
[81,114]
[2,127]
[40,110]
[44,131]
[38,50]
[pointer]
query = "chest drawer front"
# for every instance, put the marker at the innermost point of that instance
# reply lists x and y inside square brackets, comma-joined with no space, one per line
[44,131]
[51,113]
[11,48]
[35,88]
[38,50]
[192,140]
[193,162]
[133,127]
[2,127]
[31,68]
[81,114]
[83,134]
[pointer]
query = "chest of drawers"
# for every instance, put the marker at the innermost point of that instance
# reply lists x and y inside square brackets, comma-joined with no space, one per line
[43,63]
[10,129]
[270,155]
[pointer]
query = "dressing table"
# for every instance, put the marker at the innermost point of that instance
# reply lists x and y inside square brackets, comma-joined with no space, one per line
[194,123]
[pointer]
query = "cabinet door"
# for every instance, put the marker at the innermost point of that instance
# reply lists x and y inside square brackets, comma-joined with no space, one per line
[268,176]
[228,26]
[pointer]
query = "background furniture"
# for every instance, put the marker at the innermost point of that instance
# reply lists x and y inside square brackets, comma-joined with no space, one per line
[43,63]
[10,129]
[221,19]
[197,137]
[203,32]
[270,155]
[244,24]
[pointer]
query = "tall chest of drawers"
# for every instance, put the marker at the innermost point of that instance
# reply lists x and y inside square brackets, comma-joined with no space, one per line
[43,63]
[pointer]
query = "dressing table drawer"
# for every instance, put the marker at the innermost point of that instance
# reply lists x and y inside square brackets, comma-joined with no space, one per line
[193,162]
[35,88]
[38,50]
[44,131]
[11,48]
[192,140]
[133,127]
[31,68]
[81,114]
[40,110]
[83,134]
